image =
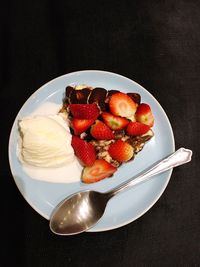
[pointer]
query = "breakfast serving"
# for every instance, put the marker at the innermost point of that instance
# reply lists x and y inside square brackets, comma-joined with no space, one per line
[101,128]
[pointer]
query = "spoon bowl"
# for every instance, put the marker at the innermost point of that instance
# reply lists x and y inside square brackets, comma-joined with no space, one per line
[78,212]
[82,210]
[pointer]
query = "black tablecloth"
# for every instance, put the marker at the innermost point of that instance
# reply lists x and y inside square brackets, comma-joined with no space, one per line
[155,43]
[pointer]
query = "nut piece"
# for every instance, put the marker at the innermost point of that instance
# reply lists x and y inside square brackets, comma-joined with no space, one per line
[80,86]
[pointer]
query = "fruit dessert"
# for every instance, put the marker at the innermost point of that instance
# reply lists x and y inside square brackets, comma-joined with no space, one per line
[108,128]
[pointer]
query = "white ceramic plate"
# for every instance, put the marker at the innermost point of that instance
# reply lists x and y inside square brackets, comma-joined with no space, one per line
[125,207]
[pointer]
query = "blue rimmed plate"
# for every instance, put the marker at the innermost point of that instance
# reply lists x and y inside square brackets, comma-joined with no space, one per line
[125,207]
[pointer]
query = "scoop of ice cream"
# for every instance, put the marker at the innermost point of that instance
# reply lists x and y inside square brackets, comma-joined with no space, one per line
[45,141]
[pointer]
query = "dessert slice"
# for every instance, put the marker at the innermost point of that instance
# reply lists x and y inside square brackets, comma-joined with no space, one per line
[109,128]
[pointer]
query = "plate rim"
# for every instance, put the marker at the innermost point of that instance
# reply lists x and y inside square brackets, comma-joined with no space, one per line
[108,73]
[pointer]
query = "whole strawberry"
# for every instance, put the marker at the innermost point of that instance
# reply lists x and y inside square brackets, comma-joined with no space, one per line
[144,114]
[121,151]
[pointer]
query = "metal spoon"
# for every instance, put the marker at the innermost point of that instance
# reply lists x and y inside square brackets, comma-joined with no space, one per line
[82,210]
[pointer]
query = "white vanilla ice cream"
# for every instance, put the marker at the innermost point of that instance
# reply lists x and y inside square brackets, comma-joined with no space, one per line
[45,141]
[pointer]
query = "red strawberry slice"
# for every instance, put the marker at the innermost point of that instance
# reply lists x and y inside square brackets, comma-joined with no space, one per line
[121,151]
[122,105]
[114,122]
[84,151]
[137,128]
[101,131]
[79,126]
[99,170]
[84,111]
[144,114]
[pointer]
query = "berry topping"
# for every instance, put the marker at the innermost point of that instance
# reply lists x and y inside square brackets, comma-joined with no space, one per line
[144,114]
[108,128]
[99,170]
[137,128]
[114,122]
[101,131]
[84,151]
[84,111]
[122,105]
[79,126]
[121,151]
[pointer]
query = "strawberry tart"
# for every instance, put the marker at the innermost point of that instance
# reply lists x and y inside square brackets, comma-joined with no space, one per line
[108,128]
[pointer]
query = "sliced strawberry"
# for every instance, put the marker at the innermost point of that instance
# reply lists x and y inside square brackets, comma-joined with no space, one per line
[101,131]
[114,122]
[84,151]
[144,114]
[122,105]
[137,128]
[79,126]
[121,151]
[99,170]
[84,111]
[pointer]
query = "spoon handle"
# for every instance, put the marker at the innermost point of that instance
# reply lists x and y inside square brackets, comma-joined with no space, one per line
[181,156]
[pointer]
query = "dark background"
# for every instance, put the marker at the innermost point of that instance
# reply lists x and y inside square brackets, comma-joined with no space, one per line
[155,43]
